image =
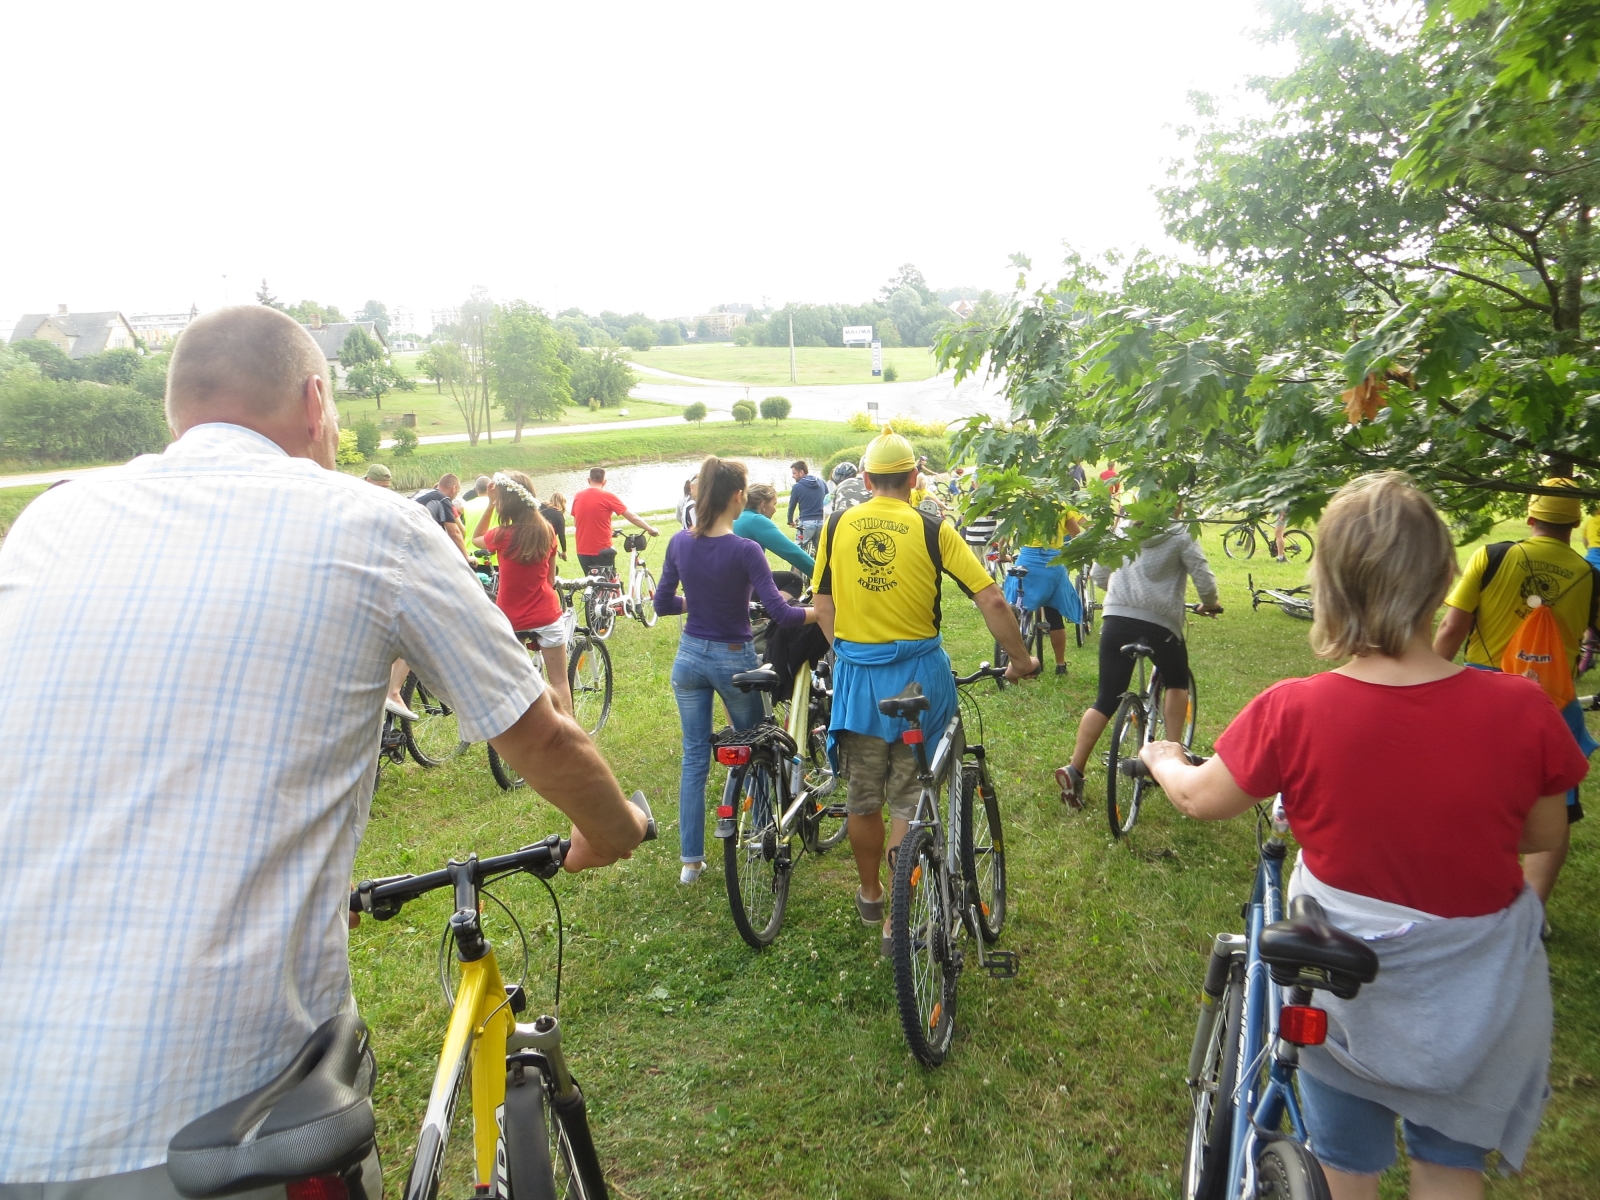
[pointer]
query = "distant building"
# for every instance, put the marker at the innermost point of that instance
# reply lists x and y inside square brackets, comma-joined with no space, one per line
[962,308]
[78,334]
[720,324]
[330,338]
[160,329]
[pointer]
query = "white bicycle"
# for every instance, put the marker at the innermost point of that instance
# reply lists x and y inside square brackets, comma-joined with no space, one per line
[604,597]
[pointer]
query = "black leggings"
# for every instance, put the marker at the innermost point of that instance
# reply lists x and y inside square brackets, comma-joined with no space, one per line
[1053,619]
[1171,658]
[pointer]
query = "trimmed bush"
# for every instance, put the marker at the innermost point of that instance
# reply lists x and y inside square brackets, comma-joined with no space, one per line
[775,408]
[744,411]
[695,412]
[889,373]
[405,440]
[368,436]
[349,453]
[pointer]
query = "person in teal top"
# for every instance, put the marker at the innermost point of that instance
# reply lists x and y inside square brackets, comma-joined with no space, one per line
[756,523]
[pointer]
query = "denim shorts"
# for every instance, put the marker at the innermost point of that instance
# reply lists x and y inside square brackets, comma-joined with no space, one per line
[1356,1136]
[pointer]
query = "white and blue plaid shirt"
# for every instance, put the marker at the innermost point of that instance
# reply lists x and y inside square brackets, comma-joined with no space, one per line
[194,652]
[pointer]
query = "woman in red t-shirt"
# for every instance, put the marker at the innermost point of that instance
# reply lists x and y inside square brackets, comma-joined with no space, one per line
[1411,785]
[527,547]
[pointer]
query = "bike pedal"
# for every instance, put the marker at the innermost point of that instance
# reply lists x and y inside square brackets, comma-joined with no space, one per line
[1001,964]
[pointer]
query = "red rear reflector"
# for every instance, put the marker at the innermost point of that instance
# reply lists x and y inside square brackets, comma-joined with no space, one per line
[319,1187]
[724,812]
[733,756]
[1303,1025]
[911,737]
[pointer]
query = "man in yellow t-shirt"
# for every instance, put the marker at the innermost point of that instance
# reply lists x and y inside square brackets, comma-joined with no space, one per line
[877,584]
[1485,615]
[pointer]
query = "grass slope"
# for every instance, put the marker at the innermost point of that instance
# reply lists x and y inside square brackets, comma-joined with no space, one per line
[812,440]
[770,364]
[714,1071]
[437,413]
[13,501]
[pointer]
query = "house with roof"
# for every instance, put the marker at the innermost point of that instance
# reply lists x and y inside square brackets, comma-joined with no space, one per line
[78,334]
[160,329]
[330,337]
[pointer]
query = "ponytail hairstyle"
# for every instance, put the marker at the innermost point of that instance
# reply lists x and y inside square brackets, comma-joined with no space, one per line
[714,490]
[531,536]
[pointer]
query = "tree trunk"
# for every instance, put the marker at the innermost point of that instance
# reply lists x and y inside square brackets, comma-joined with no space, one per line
[518,436]
[1568,316]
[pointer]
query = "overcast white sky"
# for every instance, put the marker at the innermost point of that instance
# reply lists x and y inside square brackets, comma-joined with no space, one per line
[623,155]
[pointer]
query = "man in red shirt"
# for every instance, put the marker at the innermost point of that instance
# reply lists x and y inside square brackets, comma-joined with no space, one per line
[592,510]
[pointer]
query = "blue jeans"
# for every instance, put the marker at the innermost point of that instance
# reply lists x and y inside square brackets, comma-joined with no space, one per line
[1356,1136]
[809,531]
[702,671]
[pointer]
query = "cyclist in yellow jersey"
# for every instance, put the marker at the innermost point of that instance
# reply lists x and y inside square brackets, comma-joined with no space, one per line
[877,586]
[1484,616]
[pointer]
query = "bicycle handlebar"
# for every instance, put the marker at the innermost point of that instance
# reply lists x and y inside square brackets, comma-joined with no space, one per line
[984,671]
[383,898]
[1199,611]
[1136,768]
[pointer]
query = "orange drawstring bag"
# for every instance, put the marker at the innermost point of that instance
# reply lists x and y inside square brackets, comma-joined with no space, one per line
[1538,650]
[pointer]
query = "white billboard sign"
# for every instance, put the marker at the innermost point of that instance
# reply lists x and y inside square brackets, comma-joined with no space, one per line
[857,335]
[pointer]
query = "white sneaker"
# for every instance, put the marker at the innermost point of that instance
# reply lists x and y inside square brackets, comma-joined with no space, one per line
[395,708]
[691,872]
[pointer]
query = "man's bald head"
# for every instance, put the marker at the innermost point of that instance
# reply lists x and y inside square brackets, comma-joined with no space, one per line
[245,361]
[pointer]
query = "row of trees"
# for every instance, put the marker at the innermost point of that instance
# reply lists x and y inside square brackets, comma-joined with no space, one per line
[309,311]
[907,312]
[95,409]
[1400,271]
[516,356]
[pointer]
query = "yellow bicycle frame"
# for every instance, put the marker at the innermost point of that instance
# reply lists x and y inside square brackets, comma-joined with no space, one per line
[480,1025]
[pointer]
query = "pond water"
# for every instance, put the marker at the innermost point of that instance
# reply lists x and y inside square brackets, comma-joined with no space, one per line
[654,487]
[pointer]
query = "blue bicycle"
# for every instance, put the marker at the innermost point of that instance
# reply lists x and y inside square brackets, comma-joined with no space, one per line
[1246,1047]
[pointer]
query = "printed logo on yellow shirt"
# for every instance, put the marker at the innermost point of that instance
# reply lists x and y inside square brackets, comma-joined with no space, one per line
[876,551]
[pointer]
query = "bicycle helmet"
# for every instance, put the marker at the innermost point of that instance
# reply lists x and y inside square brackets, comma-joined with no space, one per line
[845,470]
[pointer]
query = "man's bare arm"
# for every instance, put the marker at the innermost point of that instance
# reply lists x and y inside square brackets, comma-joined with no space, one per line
[629,515]
[823,606]
[559,762]
[997,615]
[1453,630]
[454,530]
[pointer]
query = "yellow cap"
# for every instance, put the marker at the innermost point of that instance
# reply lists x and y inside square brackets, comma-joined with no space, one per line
[889,454]
[1556,510]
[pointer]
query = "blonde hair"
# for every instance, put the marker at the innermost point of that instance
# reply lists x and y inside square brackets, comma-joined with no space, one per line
[1384,563]
[757,495]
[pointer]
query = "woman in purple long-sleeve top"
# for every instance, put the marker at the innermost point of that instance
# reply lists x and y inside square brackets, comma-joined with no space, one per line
[718,571]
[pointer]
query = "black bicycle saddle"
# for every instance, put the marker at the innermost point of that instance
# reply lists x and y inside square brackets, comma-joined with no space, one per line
[763,679]
[909,701]
[1309,950]
[1017,572]
[1138,650]
[315,1118]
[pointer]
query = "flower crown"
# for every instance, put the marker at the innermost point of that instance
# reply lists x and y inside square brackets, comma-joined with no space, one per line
[502,480]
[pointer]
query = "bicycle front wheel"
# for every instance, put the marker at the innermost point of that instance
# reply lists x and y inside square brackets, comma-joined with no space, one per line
[589,677]
[756,859]
[1128,730]
[435,737]
[983,855]
[924,968]
[646,611]
[1298,546]
[549,1152]
[1216,1063]
[1239,542]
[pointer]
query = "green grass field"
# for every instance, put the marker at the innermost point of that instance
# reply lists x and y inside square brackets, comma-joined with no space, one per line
[13,501]
[812,440]
[437,413]
[715,1071]
[770,364]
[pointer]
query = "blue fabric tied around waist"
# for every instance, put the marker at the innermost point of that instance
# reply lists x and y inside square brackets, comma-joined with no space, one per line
[866,672]
[1046,586]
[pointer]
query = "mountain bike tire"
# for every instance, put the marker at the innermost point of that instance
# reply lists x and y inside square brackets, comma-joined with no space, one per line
[646,611]
[598,614]
[1158,713]
[924,970]
[756,860]
[1205,1164]
[1036,635]
[1129,729]
[549,1151]
[1298,546]
[1286,1170]
[434,739]
[590,680]
[1239,542]
[983,854]
[504,774]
